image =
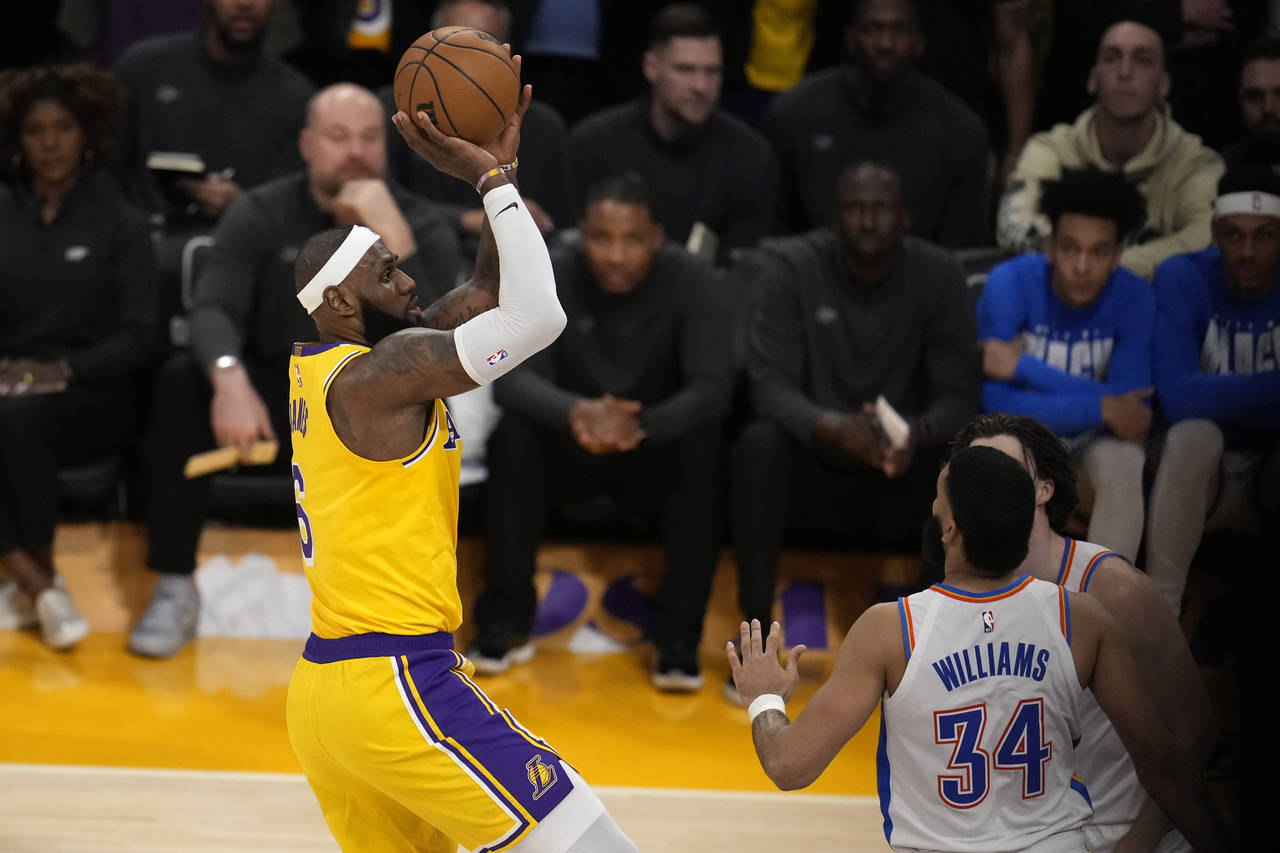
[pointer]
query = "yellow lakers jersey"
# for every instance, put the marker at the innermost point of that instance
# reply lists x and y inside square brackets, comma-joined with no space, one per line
[379,539]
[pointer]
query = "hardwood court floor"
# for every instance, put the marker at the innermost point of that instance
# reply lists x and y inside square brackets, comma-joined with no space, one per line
[192,754]
[100,750]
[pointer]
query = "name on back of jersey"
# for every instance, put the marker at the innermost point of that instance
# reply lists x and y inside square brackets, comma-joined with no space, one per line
[975,663]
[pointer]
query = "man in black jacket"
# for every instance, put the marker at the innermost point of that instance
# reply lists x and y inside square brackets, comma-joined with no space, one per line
[842,317]
[880,107]
[247,318]
[710,173]
[628,400]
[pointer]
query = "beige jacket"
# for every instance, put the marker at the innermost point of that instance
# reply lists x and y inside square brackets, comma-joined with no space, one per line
[1176,173]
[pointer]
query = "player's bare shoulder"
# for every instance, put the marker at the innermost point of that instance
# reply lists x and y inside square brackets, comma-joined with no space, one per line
[1125,592]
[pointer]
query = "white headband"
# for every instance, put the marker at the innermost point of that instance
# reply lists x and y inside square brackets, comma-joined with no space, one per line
[1263,204]
[338,267]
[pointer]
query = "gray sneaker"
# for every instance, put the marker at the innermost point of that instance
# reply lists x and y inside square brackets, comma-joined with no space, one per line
[61,624]
[170,620]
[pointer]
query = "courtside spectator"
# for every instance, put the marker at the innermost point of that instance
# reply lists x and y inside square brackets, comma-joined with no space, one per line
[78,285]
[1066,337]
[845,315]
[712,177]
[1128,130]
[628,401]
[214,93]
[879,107]
[1259,96]
[1216,344]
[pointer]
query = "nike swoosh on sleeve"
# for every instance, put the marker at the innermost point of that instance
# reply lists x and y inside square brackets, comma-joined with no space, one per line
[505,209]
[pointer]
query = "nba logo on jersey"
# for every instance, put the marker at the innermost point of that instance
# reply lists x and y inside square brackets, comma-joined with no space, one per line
[988,621]
[541,776]
[297,373]
[496,357]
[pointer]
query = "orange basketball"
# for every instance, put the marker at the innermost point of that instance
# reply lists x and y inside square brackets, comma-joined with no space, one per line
[462,78]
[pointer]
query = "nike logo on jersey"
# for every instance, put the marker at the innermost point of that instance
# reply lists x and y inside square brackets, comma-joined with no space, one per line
[505,209]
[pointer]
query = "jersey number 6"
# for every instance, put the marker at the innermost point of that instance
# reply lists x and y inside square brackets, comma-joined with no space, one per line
[304,523]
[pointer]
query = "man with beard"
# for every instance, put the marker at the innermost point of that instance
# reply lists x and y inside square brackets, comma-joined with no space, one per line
[879,107]
[1124,816]
[844,316]
[708,173]
[413,755]
[245,320]
[1217,345]
[1259,107]
[979,680]
[213,93]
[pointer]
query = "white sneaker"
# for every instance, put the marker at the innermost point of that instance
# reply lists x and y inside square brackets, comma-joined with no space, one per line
[16,608]
[60,622]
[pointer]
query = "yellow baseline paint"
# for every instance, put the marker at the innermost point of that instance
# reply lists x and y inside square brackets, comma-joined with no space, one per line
[219,705]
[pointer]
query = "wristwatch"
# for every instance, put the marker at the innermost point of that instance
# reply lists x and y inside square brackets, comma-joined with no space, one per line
[225,362]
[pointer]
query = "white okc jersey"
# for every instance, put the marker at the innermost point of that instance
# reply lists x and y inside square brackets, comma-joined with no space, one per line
[976,743]
[1102,762]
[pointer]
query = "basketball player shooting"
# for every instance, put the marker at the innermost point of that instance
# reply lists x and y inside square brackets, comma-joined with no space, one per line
[401,748]
[980,679]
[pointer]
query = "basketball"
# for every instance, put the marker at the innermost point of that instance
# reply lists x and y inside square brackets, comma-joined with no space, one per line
[462,78]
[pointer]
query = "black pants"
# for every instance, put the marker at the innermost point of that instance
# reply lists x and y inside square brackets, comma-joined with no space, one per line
[532,468]
[179,426]
[41,433]
[778,484]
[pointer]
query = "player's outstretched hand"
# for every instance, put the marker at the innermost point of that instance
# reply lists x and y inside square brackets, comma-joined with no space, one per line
[758,671]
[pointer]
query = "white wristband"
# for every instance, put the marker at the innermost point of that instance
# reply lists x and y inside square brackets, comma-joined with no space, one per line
[765,702]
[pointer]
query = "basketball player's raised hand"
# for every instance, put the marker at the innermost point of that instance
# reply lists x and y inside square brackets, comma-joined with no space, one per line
[758,672]
[456,156]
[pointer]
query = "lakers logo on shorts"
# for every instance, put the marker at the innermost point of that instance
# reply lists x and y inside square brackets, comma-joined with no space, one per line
[541,776]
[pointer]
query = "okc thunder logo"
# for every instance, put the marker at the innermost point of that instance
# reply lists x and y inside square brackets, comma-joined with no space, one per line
[988,621]
[496,357]
[541,776]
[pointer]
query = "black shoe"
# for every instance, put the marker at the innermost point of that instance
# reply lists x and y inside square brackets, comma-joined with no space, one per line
[494,656]
[676,670]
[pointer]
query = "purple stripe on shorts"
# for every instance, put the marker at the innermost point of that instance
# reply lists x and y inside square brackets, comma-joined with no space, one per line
[321,650]
[491,741]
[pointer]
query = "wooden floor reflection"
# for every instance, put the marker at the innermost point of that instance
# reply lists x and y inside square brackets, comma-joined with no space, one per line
[106,751]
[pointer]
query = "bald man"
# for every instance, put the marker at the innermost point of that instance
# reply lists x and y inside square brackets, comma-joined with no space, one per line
[229,388]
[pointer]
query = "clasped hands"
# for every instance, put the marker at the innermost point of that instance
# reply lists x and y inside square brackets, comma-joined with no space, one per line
[606,424]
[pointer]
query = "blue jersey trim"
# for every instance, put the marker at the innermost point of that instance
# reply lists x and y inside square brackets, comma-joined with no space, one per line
[982,596]
[882,776]
[1079,787]
[906,627]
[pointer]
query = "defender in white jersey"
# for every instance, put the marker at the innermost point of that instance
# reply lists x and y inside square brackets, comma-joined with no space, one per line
[980,679]
[1120,805]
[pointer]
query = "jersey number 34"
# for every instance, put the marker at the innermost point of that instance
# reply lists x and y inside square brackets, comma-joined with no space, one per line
[1021,748]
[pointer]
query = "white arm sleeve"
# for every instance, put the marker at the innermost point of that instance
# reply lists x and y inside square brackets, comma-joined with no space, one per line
[528,316]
